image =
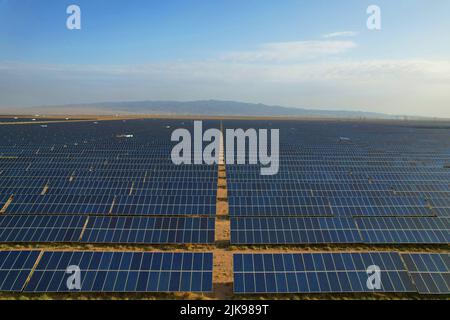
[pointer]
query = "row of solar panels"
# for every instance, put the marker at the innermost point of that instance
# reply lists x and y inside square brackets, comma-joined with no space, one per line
[397,186]
[92,190]
[54,166]
[294,175]
[120,205]
[377,230]
[110,183]
[114,271]
[95,174]
[347,164]
[151,201]
[154,230]
[189,202]
[106,229]
[300,203]
[108,271]
[426,273]
[253,209]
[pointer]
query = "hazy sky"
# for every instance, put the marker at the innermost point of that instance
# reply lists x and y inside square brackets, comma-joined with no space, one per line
[311,54]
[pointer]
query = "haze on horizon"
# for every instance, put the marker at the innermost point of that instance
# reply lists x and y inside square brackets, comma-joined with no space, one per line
[295,53]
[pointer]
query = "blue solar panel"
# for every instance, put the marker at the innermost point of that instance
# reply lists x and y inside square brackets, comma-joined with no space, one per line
[15,267]
[149,230]
[318,273]
[442,212]
[429,271]
[40,228]
[163,205]
[404,230]
[279,206]
[124,272]
[57,204]
[293,230]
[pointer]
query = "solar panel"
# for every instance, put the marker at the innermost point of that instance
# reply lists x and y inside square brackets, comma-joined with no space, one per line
[318,273]
[124,271]
[57,204]
[440,202]
[429,271]
[164,205]
[404,230]
[293,230]
[40,228]
[149,230]
[15,267]
[279,206]
[366,207]
[443,212]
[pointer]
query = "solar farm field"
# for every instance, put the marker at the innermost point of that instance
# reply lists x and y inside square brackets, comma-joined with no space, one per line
[105,197]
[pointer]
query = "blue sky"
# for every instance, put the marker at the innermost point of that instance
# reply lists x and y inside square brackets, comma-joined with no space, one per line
[274,52]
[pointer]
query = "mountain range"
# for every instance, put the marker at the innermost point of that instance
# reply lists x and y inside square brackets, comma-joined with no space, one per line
[201,107]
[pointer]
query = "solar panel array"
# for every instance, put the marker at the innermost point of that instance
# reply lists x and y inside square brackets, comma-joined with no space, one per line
[113,182]
[388,182]
[70,182]
[341,272]
[105,271]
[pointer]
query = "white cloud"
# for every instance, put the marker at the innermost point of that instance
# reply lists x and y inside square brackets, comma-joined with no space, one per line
[364,70]
[340,34]
[290,51]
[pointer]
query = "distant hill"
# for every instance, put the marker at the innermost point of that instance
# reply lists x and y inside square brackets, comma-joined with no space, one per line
[202,107]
